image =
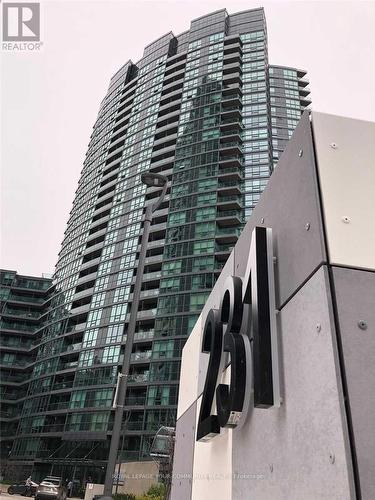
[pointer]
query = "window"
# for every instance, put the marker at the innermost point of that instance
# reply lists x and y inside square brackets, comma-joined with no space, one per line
[197,301]
[215,47]
[111,354]
[121,294]
[127,261]
[114,334]
[90,337]
[203,263]
[97,300]
[207,199]
[93,318]
[176,218]
[194,45]
[130,245]
[86,358]
[171,284]
[101,283]
[111,237]
[135,216]
[255,35]
[104,267]
[172,267]
[205,229]
[203,246]
[114,223]
[108,252]
[136,203]
[205,213]
[77,399]
[125,277]
[163,349]
[132,229]
[216,37]
[118,313]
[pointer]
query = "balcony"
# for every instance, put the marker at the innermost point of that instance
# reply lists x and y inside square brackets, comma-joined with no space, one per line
[72,348]
[138,378]
[224,249]
[229,217]
[135,400]
[228,187]
[143,335]
[227,234]
[62,385]
[68,366]
[230,202]
[140,356]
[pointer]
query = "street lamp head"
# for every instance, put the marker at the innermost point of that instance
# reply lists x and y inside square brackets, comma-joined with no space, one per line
[153,180]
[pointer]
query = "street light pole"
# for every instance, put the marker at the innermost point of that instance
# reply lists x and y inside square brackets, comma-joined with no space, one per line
[151,180]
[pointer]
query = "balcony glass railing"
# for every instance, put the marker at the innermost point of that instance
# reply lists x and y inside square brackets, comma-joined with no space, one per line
[36,285]
[234,131]
[223,248]
[11,342]
[228,230]
[61,405]
[230,170]
[137,356]
[230,213]
[230,97]
[63,385]
[223,185]
[144,335]
[138,377]
[224,199]
[230,144]
[14,377]
[24,327]
[25,298]
[14,362]
[20,313]
[135,400]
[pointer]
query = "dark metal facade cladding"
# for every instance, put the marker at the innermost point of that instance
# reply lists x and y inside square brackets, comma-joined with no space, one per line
[202,109]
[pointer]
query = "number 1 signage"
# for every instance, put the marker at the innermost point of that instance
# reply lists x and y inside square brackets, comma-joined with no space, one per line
[242,331]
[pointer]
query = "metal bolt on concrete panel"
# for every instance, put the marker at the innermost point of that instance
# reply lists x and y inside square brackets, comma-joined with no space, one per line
[307,226]
[345,219]
[300,154]
[362,324]
[332,458]
[333,145]
[318,327]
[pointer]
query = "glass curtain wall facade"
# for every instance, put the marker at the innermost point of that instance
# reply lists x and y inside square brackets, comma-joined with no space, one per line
[23,303]
[206,110]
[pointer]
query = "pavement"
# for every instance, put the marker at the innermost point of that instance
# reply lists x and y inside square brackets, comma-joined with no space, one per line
[5,496]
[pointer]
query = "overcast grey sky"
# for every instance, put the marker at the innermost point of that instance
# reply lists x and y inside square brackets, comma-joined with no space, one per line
[50,99]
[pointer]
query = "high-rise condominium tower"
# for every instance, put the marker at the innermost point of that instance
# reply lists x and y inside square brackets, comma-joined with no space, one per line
[207,110]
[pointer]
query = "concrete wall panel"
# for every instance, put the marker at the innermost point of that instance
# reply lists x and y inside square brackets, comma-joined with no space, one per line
[184,455]
[355,297]
[212,470]
[345,151]
[301,449]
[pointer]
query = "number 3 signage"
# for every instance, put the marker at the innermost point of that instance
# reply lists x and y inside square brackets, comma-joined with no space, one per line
[243,330]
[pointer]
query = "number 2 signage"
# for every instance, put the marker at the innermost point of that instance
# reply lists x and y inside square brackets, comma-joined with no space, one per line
[243,330]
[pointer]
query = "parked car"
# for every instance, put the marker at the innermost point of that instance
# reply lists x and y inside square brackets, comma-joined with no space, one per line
[51,488]
[22,489]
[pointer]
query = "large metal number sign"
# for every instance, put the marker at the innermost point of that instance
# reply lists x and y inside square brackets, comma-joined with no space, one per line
[242,330]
